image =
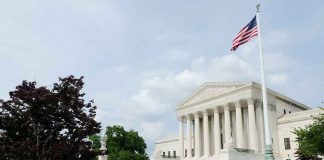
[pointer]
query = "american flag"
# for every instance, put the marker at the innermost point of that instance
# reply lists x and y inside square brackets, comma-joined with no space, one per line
[249,31]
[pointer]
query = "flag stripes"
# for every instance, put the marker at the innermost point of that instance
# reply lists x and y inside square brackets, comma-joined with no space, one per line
[249,31]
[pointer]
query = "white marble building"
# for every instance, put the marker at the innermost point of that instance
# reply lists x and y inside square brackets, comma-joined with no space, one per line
[225,121]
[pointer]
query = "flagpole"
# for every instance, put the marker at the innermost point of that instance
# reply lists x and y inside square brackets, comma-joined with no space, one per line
[268,147]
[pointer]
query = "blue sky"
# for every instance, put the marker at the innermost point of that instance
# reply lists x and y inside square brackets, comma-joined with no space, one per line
[141,57]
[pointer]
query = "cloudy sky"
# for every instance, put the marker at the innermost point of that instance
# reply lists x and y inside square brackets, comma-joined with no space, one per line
[141,57]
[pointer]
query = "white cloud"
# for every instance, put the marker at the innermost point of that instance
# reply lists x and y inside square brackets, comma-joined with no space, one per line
[121,69]
[166,55]
[278,79]
[143,103]
[276,39]
[198,63]
[89,7]
[277,61]
[158,95]
[152,130]
[175,55]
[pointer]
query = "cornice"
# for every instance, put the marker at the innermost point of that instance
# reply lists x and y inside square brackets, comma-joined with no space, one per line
[175,139]
[300,116]
[232,85]
[294,120]
[281,96]
[183,105]
[215,97]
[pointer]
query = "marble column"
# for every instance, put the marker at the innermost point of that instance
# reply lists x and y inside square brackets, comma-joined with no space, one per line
[217,132]
[227,119]
[260,125]
[206,134]
[189,136]
[252,124]
[239,125]
[197,136]
[181,138]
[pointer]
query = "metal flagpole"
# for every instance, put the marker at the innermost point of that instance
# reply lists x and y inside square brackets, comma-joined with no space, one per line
[268,147]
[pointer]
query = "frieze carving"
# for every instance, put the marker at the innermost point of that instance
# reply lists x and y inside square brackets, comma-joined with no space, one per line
[210,92]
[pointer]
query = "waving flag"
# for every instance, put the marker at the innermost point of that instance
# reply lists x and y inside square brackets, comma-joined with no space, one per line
[249,31]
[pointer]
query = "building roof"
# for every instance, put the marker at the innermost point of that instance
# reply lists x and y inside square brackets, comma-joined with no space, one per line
[223,88]
[300,116]
[169,138]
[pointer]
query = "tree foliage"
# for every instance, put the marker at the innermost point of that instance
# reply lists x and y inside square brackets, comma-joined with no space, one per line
[96,144]
[311,139]
[41,123]
[302,156]
[125,145]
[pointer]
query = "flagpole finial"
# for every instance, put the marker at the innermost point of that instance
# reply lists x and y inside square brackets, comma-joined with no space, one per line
[258,7]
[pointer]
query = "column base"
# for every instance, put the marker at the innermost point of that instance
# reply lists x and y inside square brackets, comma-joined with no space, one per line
[268,154]
[205,157]
[216,157]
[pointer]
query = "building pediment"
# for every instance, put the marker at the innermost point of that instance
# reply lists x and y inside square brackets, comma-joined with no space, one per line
[210,90]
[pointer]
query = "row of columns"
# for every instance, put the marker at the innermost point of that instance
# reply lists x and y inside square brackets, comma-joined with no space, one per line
[217,132]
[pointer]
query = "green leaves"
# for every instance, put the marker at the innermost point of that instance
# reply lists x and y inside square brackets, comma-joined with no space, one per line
[125,145]
[95,142]
[311,139]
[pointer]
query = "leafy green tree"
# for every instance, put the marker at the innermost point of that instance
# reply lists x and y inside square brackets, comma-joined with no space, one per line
[45,124]
[96,145]
[95,139]
[301,156]
[311,139]
[125,145]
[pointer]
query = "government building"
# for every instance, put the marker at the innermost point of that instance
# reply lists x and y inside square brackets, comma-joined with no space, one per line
[224,121]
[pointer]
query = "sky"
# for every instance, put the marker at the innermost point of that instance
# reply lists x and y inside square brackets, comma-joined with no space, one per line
[142,57]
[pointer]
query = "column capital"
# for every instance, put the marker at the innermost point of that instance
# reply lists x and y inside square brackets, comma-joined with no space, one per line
[181,118]
[188,117]
[238,104]
[258,101]
[250,100]
[197,114]
[205,112]
[216,110]
[226,107]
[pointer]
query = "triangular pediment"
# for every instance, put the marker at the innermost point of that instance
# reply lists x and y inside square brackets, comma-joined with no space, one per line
[210,90]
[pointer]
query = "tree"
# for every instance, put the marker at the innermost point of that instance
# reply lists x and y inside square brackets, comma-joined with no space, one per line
[41,123]
[96,144]
[95,139]
[311,139]
[302,156]
[125,145]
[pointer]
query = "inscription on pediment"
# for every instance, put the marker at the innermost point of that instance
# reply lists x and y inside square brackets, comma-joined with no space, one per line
[210,92]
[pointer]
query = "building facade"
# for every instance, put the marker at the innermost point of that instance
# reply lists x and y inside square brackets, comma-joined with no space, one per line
[224,121]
